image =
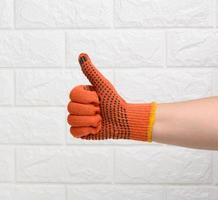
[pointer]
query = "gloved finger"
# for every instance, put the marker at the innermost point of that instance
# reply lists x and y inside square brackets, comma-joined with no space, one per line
[82,109]
[98,136]
[83,131]
[84,94]
[94,76]
[79,121]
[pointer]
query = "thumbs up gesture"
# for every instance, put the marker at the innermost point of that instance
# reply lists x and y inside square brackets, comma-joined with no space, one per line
[98,112]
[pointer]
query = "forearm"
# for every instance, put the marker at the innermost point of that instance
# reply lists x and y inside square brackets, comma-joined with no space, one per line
[190,123]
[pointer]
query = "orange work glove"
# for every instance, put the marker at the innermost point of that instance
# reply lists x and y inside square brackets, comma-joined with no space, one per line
[98,112]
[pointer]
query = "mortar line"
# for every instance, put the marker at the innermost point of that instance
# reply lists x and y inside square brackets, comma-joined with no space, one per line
[72,68]
[165,48]
[119,28]
[66,191]
[212,168]
[113,165]
[14,15]
[165,192]
[65,49]
[68,183]
[113,15]
[15,165]
[214,14]
[14,89]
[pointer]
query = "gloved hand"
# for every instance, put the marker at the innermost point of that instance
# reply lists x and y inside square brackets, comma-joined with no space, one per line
[98,112]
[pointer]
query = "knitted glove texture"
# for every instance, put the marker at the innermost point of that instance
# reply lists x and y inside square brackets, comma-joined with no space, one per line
[98,112]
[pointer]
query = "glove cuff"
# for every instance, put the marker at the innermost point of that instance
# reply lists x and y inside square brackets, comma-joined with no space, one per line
[141,119]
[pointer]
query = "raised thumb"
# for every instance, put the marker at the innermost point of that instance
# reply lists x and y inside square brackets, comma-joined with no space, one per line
[93,75]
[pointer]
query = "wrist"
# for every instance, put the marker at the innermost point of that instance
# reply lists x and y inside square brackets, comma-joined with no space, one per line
[141,119]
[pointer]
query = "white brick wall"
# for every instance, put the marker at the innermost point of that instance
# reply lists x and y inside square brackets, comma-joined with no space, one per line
[163,84]
[190,193]
[192,48]
[63,14]
[110,192]
[6,10]
[163,50]
[118,48]
[31,49]
[178,165]
[33,192]
[6,87]
[159,13]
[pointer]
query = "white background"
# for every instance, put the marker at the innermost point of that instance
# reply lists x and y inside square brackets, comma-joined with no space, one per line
[152,50]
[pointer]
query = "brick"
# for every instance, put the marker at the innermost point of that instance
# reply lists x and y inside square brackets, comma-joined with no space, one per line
[49,87]
[63,14]
[117,192]
[163,85]
[32,125]
[33,192]
[192,48]
[163,13]
[6,87]
[6,164]
[162,165]
[192,192]
[64,165]
[31,49]
[117,47]
[6,10]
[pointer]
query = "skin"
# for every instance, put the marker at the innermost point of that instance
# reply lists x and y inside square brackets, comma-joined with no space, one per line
[191,124]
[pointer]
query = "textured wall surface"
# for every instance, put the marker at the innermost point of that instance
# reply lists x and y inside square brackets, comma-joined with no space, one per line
[162,50]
